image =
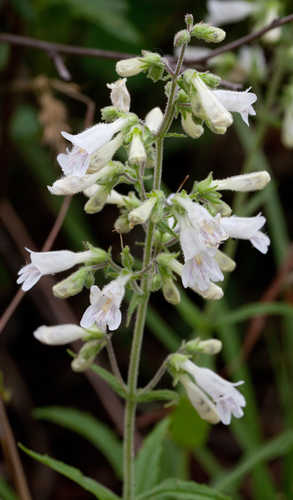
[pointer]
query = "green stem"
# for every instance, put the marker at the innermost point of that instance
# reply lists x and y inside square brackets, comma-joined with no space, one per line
[130,409]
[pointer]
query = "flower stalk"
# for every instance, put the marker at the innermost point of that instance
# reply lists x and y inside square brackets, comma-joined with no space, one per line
[130,409]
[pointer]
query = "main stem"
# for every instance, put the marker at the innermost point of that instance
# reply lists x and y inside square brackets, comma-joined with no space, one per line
[130,409]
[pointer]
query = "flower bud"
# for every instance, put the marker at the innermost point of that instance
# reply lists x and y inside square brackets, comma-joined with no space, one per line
[207,106]
[175,362]
[130,67]
[170,291]
[190,127]
[225,262]
[247,182]
[59,334]
[122,224]
[188,20]
[271,14]
[120,96]
[210,346]
[181,38]
[137,154]
[73,284]
[97,201]
[156,283]
[105,154]
[142,213]
[87,354]
[208,33]
[153,120]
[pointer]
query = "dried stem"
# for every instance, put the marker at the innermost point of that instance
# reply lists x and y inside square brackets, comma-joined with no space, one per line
[12,456]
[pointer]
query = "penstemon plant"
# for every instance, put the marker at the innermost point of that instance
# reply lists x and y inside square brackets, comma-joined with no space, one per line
[183,235]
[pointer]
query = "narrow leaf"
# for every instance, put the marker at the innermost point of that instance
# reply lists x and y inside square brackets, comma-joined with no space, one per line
[99,434]
[6,492]
[275,448]
[148,459]
[88,484]
[159,395]
[176,489]
[108,377]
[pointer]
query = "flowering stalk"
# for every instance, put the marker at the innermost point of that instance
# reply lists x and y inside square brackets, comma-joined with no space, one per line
[129,420]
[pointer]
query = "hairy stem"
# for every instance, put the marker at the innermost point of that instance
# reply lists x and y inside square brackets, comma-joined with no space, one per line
[130,409]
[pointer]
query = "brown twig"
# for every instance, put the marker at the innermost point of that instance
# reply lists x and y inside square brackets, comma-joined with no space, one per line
[57,48]
[60,48]
[244,39]
[4,207]
[12,456]
[62,70]
[257,324]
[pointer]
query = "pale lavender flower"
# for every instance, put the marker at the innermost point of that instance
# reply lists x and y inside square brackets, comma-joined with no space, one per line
[77,161]
[105,305]
[212,396]
[59,334]
[120,96]
[228,11]
[247,228]
[43,263]
[200,235]
[237,102]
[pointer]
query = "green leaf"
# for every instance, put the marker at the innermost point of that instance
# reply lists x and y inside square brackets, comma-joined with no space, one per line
[99,434]
[109,15]
[88,484]
[186,427]
[149,456]
[176,135]
[6,492]
[253,310]
[162,330]
[176,489]
[275,448]
[159,395]
[108,377]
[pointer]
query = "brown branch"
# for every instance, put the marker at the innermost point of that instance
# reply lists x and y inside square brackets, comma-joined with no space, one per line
[5,209]
[244,39]
[257,324]
[12,457]
[60,48]
[62,70]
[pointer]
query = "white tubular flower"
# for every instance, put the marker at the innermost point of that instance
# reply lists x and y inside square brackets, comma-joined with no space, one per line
[153,120]
[246,182]
[201,403]
[251,60]
[59,334]
[247,228]
[142,213]
[217,116]
[137,154]
[194,130]
[271,15]
[212,396]
[120,96]
[73,184]
[130,67]
[214,292]
[105,154]
[228,11]
[287,127]
[43,263]
[76,161]
[105,305]
[237,102]
[199,271]
[200,235]
[225,262]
